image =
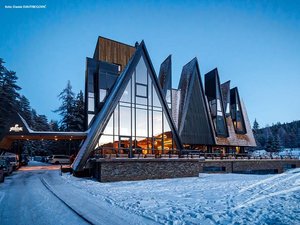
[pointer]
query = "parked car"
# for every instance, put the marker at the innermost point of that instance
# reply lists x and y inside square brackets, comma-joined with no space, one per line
[13,160]
[1,174]
[6,166]
[59,159]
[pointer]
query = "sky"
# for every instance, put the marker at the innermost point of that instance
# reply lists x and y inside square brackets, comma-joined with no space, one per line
[255,44]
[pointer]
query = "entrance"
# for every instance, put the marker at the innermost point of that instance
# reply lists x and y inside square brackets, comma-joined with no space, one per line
[125,146]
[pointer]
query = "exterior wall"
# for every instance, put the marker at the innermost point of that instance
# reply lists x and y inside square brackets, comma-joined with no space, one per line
[142,169]
[113,52]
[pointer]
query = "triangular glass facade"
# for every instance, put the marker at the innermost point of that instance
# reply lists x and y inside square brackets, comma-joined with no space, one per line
[138,124]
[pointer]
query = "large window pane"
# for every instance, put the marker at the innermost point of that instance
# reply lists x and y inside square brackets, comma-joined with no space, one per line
[156,101]
[91,104]
[125,121]
[109,129]
[106,141]
[102,94]
[141,90]
[157,123]
[141,72]
[141,123]
[126,97]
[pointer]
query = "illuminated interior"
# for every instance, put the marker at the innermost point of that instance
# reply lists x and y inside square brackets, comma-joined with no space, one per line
[138,124]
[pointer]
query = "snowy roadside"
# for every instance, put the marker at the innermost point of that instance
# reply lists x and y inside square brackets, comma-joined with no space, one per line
[208,199]
[93,210]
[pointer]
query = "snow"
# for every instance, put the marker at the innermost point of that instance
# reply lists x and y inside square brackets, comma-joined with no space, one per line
[287,152]
[207,199]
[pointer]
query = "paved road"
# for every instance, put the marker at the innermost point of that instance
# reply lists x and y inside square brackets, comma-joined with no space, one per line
[25,200]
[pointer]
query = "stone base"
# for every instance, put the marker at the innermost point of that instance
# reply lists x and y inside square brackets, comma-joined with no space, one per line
[141,169]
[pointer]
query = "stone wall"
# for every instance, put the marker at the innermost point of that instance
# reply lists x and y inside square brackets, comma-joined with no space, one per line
[141,169]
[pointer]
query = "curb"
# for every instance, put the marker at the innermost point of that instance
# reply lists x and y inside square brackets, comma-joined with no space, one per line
[44,182]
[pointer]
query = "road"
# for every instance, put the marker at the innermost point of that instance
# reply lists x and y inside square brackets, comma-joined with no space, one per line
[25,200]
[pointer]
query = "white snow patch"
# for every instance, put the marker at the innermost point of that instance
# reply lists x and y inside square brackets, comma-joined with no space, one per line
[208,199]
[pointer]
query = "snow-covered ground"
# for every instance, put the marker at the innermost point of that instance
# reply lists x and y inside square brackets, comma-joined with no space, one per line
[208,199]
[294,153]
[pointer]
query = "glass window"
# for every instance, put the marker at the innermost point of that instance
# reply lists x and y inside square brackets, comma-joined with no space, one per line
[106,141]
[91,104]
[102,94]
[125,120]
[149,91]
[156,101]
[141,72]
[141,90]
[90,117]
[157,123]
[109,129]
[168,96]
[141,100]
[126,97]
[141,123]
[116,121]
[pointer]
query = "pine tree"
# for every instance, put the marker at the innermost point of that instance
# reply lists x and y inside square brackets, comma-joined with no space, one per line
[66,110]
[8,94]
[25,110]
[255,126]
[269,144]
[78,123]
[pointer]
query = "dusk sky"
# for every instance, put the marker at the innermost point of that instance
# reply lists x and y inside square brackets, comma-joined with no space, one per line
[255,44]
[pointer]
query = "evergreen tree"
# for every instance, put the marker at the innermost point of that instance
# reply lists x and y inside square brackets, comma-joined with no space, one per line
[78,123]
[66,110]
[255,126]
[269,144]
[8,94]
[25,110]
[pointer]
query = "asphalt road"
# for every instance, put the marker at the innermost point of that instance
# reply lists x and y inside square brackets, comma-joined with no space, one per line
[25,200]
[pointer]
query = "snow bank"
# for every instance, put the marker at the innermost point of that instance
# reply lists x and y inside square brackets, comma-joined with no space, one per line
[208,199]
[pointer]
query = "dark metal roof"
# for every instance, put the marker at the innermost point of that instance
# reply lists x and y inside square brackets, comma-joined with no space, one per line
[165,75]
[194,120]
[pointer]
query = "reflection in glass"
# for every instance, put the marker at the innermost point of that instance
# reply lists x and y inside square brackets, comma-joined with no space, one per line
[126,97]
[141,72]
[157,123]
[109,129]
[141,123]
[125,121]
[138,123]
[102,94]
[141,90]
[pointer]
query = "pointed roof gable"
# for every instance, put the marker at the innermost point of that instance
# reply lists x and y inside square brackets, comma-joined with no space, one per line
[102,118]
[194,119]
[165,75]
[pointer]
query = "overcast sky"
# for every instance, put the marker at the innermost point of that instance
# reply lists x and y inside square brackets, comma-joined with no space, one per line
[255,44]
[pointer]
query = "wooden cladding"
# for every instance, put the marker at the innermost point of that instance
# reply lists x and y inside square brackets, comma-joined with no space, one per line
[113,52]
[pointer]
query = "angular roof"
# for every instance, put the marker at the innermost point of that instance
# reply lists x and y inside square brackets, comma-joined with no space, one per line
[195,125]
[102,118]
[165,75]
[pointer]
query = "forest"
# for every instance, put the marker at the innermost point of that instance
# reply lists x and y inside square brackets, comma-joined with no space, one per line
[71,112]
[278,136]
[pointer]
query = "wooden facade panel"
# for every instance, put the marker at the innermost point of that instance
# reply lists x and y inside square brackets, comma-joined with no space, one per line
[114,52]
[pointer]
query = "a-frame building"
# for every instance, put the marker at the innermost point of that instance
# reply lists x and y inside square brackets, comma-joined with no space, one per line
[135,116]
